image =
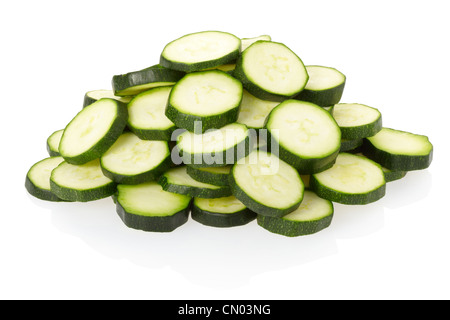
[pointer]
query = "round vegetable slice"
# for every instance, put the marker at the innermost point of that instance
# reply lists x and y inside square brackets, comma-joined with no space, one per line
[217,176]
[81,183]
[146,115]
[266,184]
[313,215]
[131,160]
[93,131]
[222,212]
[325,86]
[200,50]
[307,136]
[254,111]
[37,181]
[353,179]
[356,120]
[204,100]
[53,143]
[399,150]
[91,96]
[148,207]
[271,71]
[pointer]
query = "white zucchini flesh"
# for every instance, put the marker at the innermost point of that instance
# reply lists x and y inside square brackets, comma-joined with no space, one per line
[254,111]
[354,114]
[179,176]
[246,42]
[352,174]
[130,155]
[268,180]
[104,93]
[220,205]
[401,142]
[40,173]
[213,140]
[311,208]
[322,78]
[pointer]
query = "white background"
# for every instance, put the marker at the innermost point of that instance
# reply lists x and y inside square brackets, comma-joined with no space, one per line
[395,55]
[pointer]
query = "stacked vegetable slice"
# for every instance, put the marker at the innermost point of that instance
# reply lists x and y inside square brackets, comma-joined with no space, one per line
[230,130]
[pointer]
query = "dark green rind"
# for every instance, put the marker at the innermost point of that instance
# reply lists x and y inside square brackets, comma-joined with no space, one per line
[256,90]
[218,159]
[151,175]
[153,134]
[360,132]
[346,198]
[70,194]
[222,220]
[323,98]
[396,162]
[39,193]
[156,73]
[290,228]
[194,191]
[107,141]
[217,179]
[350,145]
[302,165]
[87,100]
[199,66]
[256,206]
[390,175]
[153,223]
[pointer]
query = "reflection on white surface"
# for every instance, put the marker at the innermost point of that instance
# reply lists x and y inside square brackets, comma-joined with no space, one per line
[227,257]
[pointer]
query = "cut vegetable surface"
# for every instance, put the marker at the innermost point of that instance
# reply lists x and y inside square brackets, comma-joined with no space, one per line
[93,131]
[217,176]
[222,212]
[178,181]
[148,207]
[81,183]
[135,82]
[356,120]
[146,115]
[313,215]
[254,111]
[91,96]
[37,181]
[204,100]
[266,184]
[131,160]
[271,71]
[246,42]
[399,150]
[325,86]
[307,135]
[53,143]
[201,50]
[215,148]
[352,180]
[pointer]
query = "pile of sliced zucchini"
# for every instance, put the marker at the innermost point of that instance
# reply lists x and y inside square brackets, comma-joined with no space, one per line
[226,130]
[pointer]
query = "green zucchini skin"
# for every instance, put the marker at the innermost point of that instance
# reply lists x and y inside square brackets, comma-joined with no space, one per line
[187,68]
[75,195]
[153,223]
[323,98]
[360,132]
[39,193]
[350,145]
[396,162]
[222,220]
[343,198]
[116,129]
[217,179]
[293,228]
[53,150]
[153,134]
[193,191]
[153,74]
[391,175]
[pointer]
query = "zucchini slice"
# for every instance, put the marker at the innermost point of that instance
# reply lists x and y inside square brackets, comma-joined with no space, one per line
[93,131]
[91,96]
[37,181]
[204,100]
[217,176]
[246,42]
[53,143]
[356,120]
[148,207]
[271,71]
[254,111]
[178,181]
[215,148]
[133,83]
[222,212]
[201,50]
[350,145]
[399,150]
[131,160]
[307,136]
[313,215]
[81,183]
[353,180]
[146,115]
[266,185]
[325,86]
